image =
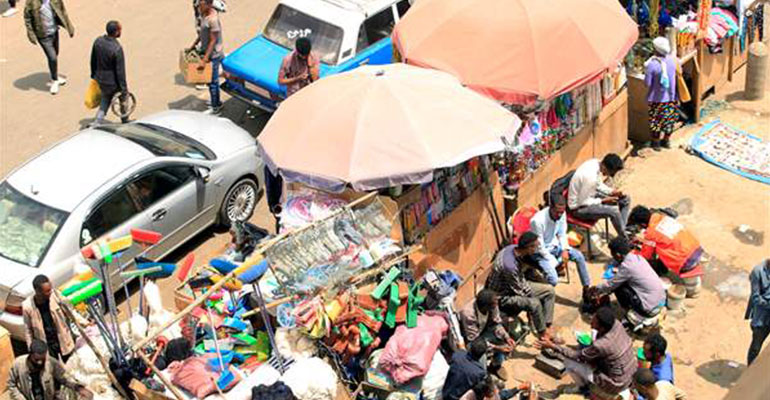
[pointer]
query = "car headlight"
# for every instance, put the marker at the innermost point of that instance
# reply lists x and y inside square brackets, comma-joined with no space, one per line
[13,304]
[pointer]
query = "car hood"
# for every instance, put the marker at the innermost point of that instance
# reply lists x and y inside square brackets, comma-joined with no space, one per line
[13,274]
[220,135]
[258,61]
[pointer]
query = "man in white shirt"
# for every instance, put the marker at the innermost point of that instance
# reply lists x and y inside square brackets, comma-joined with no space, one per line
[590,198]
[554,251]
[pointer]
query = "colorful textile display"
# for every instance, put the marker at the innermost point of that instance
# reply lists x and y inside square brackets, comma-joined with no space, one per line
[733,150]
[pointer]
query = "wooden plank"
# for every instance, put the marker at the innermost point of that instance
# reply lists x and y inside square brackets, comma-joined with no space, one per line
[6,358]
[611,129]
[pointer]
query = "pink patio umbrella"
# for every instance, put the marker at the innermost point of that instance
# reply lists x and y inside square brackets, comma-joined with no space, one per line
[380,126]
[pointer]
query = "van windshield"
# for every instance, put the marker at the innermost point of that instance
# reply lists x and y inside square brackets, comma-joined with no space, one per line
[27,227]
[288,24]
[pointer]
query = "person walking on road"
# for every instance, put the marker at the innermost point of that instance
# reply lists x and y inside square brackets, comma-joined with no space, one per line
[108,68]
[43,19]
[210,37]
[758,309]
[11,11]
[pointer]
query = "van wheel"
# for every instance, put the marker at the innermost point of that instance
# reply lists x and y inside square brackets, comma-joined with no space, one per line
[239,203]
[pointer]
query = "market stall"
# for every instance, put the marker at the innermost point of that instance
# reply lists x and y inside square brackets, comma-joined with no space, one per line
[709,38]
[429,150]
[567,82]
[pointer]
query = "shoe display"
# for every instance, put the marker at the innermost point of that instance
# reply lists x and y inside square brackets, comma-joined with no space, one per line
[10,12]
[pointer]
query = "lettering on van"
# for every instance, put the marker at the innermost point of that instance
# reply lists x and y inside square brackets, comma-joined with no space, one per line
[298,33]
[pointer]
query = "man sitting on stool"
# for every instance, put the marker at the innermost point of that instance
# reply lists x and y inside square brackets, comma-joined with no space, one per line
[636,286]
[607,366]
[481,319]
[517,293]
[590,198]
[550,226]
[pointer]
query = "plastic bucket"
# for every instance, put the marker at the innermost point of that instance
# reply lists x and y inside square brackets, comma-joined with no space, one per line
[693,286]
[676,295]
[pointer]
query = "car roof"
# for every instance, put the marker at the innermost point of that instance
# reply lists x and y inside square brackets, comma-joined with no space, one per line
[66,174]
[340,12]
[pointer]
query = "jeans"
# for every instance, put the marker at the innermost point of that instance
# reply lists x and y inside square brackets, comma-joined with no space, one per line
[108,92]
[629,300]
[548,263]
[50,45]
[538,306]
[618,214]
[758,336]
[216,63]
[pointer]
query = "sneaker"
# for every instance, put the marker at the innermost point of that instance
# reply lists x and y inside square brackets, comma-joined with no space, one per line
[213,110]
[202,86]
[10,12]
[665,143]
[62,81]
[54,87]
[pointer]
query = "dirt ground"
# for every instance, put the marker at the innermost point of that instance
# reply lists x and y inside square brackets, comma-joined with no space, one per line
[709,339]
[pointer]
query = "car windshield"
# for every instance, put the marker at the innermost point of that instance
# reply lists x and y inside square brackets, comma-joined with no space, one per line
[161,141]
[288,24]
[27,227]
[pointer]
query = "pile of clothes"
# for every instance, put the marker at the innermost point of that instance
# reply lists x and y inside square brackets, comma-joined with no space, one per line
[722,24]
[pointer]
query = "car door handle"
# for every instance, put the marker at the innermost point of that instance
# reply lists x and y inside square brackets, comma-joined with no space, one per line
[159,215]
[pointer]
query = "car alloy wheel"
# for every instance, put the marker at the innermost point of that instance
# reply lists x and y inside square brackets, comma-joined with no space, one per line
[241,201]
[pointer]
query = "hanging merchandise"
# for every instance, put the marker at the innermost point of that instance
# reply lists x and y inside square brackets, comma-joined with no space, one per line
[435,200]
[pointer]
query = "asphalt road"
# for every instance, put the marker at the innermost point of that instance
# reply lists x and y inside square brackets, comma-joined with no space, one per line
[154,32]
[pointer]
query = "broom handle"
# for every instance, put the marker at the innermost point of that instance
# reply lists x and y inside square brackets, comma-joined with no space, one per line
[160,376]
[70,314]
[231,275]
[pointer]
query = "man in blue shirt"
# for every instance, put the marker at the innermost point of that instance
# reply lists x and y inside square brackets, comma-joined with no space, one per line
[660,361]
[465,371]
[554,251]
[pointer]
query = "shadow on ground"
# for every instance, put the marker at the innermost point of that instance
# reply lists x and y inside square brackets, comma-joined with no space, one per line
[37,81]
[721,372]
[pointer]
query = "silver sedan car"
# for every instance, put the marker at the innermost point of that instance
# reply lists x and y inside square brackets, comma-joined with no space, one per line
[175,173]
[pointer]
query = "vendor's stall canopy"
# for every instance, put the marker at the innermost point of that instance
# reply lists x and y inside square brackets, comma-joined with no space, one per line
[381,126]
[517,51]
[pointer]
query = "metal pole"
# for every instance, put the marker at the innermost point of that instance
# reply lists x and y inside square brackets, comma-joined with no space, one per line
[268,326]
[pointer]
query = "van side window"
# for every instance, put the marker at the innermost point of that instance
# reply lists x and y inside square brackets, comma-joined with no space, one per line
[362,43]
[379,26]
[117,208]
[402,7]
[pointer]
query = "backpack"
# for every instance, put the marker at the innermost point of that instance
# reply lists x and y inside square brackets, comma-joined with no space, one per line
[558,187]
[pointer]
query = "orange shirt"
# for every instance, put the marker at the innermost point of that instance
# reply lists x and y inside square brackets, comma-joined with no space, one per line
[670,241]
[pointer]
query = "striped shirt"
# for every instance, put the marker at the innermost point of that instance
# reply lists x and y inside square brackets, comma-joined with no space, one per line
[506,278]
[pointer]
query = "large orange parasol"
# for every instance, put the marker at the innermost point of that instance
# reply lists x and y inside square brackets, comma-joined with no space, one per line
[516,51]
[379,126]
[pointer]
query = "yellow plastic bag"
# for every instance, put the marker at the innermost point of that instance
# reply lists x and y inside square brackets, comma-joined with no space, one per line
[93,95]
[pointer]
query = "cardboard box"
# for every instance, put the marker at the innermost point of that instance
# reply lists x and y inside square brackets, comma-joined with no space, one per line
[190,71]
[6,358]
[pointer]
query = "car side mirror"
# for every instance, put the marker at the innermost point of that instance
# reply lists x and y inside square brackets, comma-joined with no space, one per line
[203,173]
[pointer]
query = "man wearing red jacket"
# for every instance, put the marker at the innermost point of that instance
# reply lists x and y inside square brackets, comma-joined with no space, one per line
[666,244]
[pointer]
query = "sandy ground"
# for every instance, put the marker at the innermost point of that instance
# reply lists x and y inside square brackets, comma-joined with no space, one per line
[709,339]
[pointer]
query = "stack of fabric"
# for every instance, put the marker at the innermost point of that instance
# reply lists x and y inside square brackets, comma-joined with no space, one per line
[722,25]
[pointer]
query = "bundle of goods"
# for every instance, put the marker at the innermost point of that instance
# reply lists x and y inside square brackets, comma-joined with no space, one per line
[722,24]
[449,188]
[550,129]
